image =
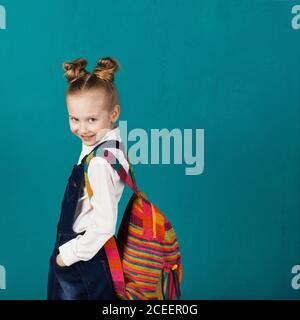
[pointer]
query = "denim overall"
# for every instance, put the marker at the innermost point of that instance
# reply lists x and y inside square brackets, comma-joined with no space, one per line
[83,280]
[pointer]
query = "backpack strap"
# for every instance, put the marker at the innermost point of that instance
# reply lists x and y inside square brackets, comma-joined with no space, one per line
[110,246]
[114,162]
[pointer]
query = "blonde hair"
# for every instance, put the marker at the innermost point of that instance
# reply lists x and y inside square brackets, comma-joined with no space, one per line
[101,78]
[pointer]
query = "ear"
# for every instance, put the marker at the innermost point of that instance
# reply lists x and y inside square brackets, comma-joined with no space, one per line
[115,113]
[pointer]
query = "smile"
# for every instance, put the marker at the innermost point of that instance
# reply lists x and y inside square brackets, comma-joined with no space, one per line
[87,137]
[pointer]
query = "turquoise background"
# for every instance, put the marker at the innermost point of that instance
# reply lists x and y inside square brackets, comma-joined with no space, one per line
[229,67]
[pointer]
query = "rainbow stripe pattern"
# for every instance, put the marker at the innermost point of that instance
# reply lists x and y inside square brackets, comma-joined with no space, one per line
[144,258]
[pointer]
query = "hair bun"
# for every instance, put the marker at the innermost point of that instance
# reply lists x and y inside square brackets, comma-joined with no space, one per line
[75,69]
[105,68]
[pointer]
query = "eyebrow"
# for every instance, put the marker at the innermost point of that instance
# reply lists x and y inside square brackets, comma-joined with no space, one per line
[92,116]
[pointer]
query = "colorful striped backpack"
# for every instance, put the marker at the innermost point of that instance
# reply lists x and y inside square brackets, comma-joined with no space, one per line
[144,258]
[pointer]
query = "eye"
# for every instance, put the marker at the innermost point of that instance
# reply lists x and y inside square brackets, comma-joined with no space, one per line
[91,120]
[74,119]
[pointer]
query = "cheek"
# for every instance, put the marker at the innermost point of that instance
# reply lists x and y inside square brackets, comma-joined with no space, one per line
[99,125]
[105,121]
[73,127]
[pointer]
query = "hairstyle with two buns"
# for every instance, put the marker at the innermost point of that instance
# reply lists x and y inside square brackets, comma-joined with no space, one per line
[101,78]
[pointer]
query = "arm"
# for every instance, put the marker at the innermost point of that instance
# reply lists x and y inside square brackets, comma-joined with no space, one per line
[103,219]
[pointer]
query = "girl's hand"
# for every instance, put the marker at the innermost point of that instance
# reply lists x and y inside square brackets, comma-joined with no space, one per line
[59,261]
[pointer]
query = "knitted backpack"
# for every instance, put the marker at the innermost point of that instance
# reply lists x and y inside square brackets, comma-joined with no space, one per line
[144,259]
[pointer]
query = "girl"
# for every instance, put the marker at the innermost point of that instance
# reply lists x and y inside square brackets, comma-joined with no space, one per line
[79,267]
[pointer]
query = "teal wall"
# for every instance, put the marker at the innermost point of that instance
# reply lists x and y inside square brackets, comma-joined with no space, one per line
[229,67]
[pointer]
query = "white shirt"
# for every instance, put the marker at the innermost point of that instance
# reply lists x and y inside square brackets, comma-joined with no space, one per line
[96,216]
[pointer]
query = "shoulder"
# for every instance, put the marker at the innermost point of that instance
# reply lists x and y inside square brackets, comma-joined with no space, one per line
[99,166]
[120,156]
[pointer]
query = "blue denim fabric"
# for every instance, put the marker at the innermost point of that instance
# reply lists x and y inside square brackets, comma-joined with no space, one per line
[83,280]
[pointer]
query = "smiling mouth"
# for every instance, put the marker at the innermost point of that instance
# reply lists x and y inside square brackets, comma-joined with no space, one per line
[87,137]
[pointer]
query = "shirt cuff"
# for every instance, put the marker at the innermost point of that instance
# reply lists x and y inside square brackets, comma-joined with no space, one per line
[67,254]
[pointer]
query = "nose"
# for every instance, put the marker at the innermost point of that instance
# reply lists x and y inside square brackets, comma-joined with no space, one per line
[82,129]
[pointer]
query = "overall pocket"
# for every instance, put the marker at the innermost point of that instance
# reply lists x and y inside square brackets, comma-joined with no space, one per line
[96,274]
[62,239]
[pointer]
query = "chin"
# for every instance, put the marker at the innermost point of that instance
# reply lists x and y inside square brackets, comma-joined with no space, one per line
[88,143]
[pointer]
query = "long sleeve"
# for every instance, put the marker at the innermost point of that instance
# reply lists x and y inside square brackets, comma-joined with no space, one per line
[102,221]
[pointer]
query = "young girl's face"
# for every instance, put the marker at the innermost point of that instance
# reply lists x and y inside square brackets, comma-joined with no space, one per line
[89,117]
